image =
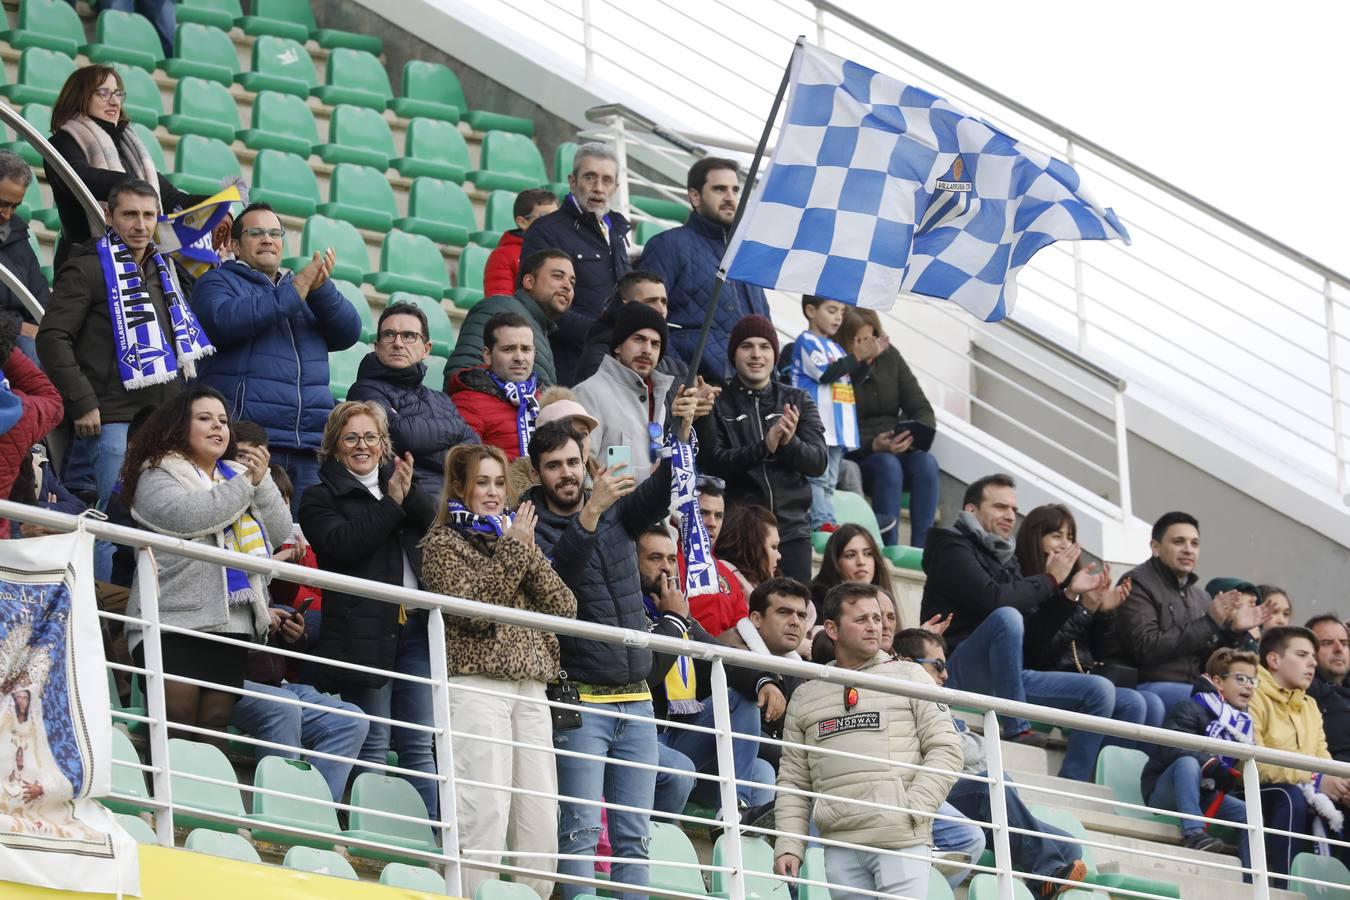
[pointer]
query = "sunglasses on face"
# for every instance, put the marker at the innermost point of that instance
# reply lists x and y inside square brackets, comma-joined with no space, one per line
[939,665]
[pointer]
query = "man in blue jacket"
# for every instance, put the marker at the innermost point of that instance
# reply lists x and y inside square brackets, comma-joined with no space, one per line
[687,258]
[273,330]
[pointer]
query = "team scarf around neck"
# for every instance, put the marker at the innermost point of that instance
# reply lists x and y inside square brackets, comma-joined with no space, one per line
[527,408]
[1229,724]
[243,535]
[461,518]
[681,683]
[700,571]
[145,355]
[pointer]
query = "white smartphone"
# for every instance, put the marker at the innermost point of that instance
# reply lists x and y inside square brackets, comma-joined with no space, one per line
[615,456]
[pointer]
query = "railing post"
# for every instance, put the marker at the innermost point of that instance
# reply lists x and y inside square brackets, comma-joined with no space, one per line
[726,770]
[440,705]
[820,27]
[147,583]
[1334,370]
[1256,839]
[588,38]
[998,806]
[1123,454]
[1080,299]
[621,157]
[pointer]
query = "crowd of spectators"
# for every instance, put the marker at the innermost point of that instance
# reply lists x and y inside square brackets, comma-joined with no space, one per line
[664,494]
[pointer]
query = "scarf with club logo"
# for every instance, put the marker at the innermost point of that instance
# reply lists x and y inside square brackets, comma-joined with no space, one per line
[527,408]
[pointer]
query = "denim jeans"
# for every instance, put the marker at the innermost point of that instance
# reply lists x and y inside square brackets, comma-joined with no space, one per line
[298,726]
[957,837]
[92,464]
[161,14]
[1038,855]
[701,747]
[822,489]
[672,791]
[1178,788]
[989,661]
[885,476]
[302,466]
[590,779]
[404,701]
[897,876]
[1170,692]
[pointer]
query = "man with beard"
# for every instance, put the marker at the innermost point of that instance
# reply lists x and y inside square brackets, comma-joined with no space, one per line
[1331,688]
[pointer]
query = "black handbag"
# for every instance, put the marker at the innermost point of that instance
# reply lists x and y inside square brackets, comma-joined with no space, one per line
[1119,674]
[568,716]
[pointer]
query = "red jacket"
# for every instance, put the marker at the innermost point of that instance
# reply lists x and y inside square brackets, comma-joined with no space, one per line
[720,611]
[42,411]
[486,411]
[499,275]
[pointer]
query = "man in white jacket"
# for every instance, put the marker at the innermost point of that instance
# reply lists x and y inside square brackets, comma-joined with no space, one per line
[888,728]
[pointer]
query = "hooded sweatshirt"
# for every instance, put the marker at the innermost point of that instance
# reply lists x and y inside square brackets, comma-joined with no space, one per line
[1286,719]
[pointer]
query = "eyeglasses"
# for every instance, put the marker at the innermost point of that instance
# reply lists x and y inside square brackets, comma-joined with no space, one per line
[403,337]
[1244,680]
[939,665]
[370,439]
[274,233]
[106,94]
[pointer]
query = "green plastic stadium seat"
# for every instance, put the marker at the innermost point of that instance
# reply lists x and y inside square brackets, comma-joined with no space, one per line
[669,844]
[143,103]
[468,288]
[114,698]
[1119,768]
[342,369]
[188,758]
[280,64]
[227,846]
[360,195]
[295,19]
[1067,822]
[1323,868]
[349,248]
[757,857]
[42,73]
[47,274]
[303,785]
[281,122]
[286,181]
[373,793]
[509,162]
[904,557]
[433,148]
[216,13]
[126,38]
[127,781]
[498,218]
[203,52]
[502,890]
[854,508]
[435,370]
[452,94]
[357,78]
[202,107]
[440,210]
[35,209]
[201,162]
[413,263]
[152,146]
[985,887]
[813,869]
[320,862]
[362,306]
[425,87]
[562,165]
[49,24]
[662,208]
[647,229]
[357,135]
[136,827]
[440,330]
[40,117]
[413,878]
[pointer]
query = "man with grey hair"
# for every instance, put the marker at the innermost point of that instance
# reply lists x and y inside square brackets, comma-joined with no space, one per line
[16,254]
[595,238]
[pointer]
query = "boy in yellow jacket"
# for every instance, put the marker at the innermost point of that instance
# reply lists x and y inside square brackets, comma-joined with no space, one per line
[1286,718]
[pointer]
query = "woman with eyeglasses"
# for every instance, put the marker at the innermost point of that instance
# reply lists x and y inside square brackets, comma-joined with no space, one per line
[365,518]
[91,130]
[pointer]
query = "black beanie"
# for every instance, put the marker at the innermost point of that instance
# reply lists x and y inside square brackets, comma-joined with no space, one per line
[633,317]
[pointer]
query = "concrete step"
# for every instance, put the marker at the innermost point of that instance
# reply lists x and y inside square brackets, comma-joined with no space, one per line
[1123,856]
[1082,796]
[1126,827]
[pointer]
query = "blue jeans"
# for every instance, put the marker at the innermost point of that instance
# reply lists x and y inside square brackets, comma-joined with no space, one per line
[303,468]
[297,726]
[989,661]
[590,779]
[672,791]
[701,748]
[1169,692]
[92,464]
[404,701]
[822,489]
[161,14]
[1038,855]
[885,476]
[1178,788]
[957,837]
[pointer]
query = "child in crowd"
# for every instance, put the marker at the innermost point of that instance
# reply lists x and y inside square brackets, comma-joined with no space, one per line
[822,368]
[1196,783]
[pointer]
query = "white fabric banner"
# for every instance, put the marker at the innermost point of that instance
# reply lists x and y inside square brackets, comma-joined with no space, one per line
[55,731]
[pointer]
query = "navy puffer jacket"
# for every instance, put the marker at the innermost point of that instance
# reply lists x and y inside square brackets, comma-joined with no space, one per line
[271,359]
[601,569]
[687,258]
[422,421]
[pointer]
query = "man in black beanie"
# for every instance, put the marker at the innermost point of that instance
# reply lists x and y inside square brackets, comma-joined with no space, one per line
[627,394]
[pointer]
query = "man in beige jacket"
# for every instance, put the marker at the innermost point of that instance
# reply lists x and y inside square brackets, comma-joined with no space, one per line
[886,727]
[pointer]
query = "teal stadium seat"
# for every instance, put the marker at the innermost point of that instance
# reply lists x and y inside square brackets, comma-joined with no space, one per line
[226,846]
[303,806]
[412,263]
[349,248]
[126,38]
[479,119]
[152,146]
[342,368]
[669,844]
[757,858]
[42,73]
[498,218]
[137,828]
[202,107]
[359,302]
[509,162]
[216,13]
[286,181]
[357,78]
[854,508]
[49,24]
[194,758]
[1322,868]
[662,208]
[201,51]
[281,122]
[319,862]
[502,890]
[35,209]
[562,167]
[357,135]
[143,103]
[127,780]
[440,210]
[40,117]
[439,329]
[1119,768]
[373,794]
[648,229]
[280,64]
[360,195]
[468,288]
[425,85]
[201,163]
[413,878]
[295,19]
[433,148]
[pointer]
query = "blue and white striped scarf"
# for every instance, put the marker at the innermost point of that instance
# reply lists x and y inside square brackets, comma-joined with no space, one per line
[1229,724]
[144,354]
[527,408]
[700,572]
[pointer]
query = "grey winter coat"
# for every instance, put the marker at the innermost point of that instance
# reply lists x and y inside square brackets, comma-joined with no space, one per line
[624,403]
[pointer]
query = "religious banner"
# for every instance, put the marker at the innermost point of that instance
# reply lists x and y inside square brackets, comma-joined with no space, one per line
[55,731]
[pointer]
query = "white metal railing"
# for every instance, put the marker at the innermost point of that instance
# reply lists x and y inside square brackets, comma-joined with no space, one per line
[733,870]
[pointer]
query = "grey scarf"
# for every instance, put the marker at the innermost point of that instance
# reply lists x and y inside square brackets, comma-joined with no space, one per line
[1001,548]
[127,155]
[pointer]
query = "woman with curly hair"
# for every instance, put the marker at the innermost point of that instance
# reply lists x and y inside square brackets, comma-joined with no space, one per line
[183,477]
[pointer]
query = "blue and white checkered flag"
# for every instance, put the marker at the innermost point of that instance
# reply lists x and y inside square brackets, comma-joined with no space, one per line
[876,187]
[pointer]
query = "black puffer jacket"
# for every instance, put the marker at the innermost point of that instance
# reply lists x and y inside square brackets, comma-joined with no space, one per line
[601,569]
[18,256]
[1334,702]
[1063,636]
[354,534]
[732,448]
[422,421]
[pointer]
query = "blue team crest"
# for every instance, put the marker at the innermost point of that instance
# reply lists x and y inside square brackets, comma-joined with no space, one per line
[141,356]
[953,202]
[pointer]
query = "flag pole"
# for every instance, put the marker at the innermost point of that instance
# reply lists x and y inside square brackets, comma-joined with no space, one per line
[711,311]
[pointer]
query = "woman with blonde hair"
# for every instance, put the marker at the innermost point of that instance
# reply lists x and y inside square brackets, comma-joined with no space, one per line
[479,550]
[365,517]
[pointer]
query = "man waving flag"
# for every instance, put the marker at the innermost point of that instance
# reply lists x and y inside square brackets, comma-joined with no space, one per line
[877,187]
